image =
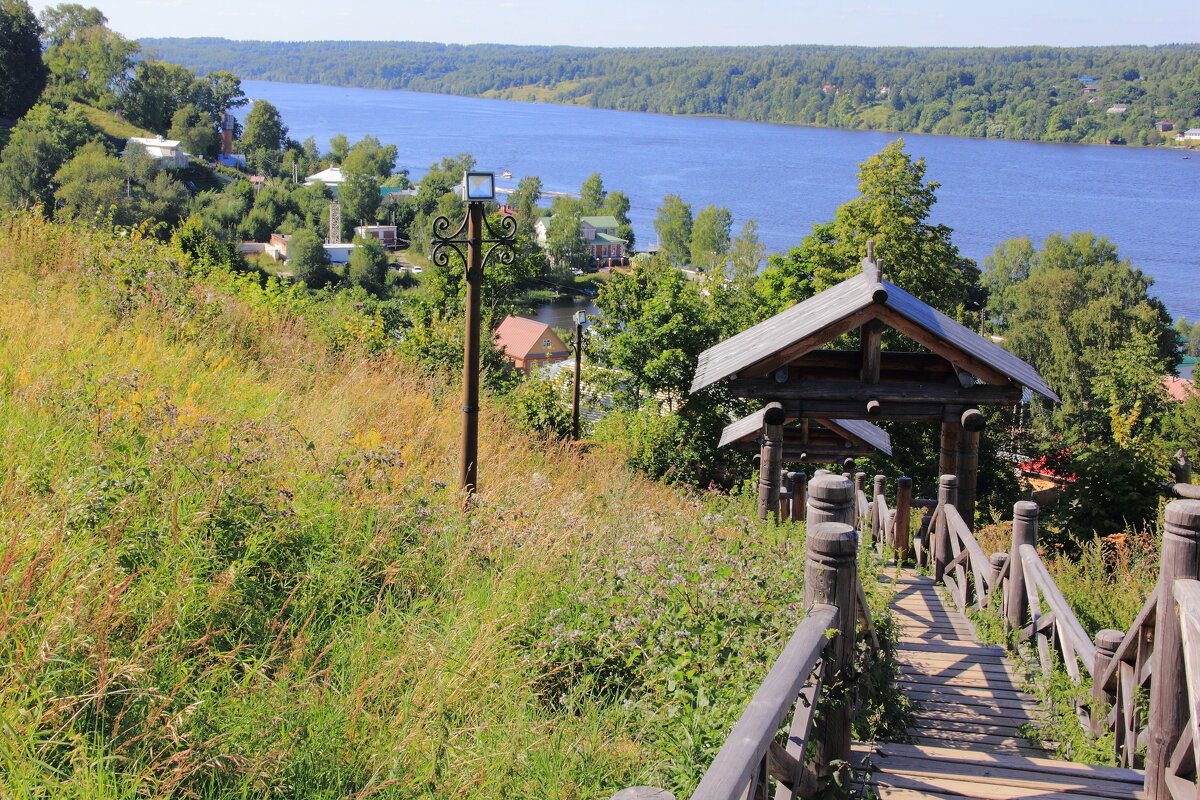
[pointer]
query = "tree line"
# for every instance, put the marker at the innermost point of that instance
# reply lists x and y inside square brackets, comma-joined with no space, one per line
[1029,93]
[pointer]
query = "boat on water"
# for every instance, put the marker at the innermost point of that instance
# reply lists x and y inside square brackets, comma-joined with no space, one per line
[506,174]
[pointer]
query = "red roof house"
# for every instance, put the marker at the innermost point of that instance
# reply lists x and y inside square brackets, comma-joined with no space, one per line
[529,343]
[1179,389]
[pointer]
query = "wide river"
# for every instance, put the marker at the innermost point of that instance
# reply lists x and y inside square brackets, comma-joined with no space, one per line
[1145,200]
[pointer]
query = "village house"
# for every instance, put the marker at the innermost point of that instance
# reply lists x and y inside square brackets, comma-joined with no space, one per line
[330,176]
[1117,108]
[165,152]
[1192,133]
[386,234]
[528,343]
[598,232]
[1164,126]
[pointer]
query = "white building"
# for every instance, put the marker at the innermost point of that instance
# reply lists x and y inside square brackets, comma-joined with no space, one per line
[330,176]
[1192,133]
[165,152]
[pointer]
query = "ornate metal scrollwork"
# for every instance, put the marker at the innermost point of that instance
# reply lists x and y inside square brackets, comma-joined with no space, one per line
[499,239]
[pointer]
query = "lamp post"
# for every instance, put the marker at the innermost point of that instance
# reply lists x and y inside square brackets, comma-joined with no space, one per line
[477,188]
[579,318]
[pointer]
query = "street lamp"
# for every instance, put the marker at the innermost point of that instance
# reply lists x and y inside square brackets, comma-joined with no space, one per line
[477,188]
[579,318]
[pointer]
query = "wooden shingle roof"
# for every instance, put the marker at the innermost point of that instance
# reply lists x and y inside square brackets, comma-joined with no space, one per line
[854,429]
[843,307]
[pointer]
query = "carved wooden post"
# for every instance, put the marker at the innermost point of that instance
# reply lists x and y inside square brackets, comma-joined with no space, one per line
[848,465]
[947,494]
[799,495]
[1168,690]
[997,562]
[770,461]
[831,576]
[830,499]
[1025,525]
[1107,642]
[878,523]
[903,518]
[968,464]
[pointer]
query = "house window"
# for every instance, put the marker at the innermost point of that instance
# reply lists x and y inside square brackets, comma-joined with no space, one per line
[546,343]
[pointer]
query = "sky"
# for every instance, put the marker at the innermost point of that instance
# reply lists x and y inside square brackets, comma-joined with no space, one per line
[615,23]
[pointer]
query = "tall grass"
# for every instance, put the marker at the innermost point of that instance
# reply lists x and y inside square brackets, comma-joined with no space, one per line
[233,563]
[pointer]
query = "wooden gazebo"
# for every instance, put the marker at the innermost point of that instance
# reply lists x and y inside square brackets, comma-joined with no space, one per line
[781,361]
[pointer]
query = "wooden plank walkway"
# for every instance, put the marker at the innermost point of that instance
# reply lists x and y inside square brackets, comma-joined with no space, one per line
[967,740]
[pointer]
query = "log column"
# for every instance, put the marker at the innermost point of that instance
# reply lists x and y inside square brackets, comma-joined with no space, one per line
[1168,690]
[831,576]
[947,495]
[903,522]
[968,464]
[878,523]
[1025,526]
[770,463]
[948,457]
[799,495]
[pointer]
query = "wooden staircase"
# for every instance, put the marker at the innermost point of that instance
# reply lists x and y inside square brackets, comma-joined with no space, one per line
[967,740]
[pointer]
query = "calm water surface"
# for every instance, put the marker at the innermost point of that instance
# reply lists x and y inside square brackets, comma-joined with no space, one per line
[1147,201]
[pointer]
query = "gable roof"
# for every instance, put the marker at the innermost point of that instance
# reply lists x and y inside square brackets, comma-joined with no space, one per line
[843,307]
[329,175]
[601,221]
[859,429]
[521,337]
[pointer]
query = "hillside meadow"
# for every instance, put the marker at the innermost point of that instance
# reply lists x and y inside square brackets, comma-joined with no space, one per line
[233,563]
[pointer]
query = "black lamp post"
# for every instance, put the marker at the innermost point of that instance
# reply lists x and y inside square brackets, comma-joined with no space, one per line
[579,318]
[477,188]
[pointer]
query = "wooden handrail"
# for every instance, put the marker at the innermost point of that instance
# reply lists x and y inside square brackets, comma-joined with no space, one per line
[749,742]
[1073,642]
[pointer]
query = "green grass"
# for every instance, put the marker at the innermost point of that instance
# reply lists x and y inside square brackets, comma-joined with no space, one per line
[110,123]
[234,564]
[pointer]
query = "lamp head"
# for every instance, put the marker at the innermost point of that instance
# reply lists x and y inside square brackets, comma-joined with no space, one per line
[479,186]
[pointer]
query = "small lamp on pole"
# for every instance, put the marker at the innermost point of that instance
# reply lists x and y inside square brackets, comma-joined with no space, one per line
[477,188]
[579,320]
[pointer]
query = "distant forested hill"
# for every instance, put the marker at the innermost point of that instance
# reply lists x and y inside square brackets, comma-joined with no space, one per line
[1088,94]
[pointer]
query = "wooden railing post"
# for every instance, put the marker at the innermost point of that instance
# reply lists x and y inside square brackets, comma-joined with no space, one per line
[947,494]
[1181,468]
[831,577]
[1168,689]
[799,495]
[1025,525]
[878,523]
[1107,642]
[831,498]
[770,461]
[968,464]
[900,529]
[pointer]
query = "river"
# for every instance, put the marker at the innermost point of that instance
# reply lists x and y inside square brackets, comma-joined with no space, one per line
[1145,200]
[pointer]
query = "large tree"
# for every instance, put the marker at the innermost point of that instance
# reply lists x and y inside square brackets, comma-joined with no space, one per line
[263,137]
[308,259]
[592,194]
[892,209]
[155,92]
[22,72]
[44,140]
[194,129]
[710,237]
[673,224]
[87,61]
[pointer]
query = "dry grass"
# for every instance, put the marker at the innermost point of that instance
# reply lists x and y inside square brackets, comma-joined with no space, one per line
[234,563]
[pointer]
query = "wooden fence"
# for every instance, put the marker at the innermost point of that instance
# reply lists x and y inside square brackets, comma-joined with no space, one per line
[1145,682]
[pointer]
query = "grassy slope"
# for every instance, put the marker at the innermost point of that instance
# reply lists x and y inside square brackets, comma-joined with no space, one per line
[229,568]
[110,123]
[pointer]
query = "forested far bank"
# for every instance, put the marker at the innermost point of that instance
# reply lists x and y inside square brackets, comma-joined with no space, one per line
[1116,94]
